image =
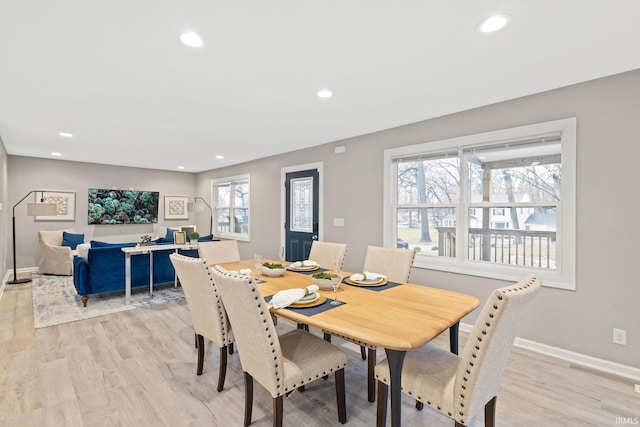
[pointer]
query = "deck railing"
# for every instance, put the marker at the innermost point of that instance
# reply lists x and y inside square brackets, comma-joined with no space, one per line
[516,247]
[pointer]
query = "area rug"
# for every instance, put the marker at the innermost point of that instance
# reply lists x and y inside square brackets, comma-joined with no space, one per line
[55,300]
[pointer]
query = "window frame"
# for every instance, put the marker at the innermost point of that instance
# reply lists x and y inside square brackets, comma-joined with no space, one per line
[563,277]
[232,181]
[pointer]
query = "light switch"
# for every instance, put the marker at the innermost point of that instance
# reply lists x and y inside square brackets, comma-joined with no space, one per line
[338,222]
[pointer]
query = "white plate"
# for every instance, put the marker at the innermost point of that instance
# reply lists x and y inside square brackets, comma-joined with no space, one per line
[309,298]
[367,281]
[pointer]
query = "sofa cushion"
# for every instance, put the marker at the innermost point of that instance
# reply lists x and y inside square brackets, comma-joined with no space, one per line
[83,250]
[72,240]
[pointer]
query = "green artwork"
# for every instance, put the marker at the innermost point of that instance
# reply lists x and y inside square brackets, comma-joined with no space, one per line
[122,206]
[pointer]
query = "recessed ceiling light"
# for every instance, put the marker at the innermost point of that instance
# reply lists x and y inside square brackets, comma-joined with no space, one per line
[180,167]
[191,39]
[493,23]
[324,93]
[163,119]
[56,154]
[219,157]
[66,134]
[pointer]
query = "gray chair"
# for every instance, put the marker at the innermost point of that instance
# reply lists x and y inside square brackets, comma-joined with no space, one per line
[281,364]
[219,252]
[396,265]
[461,387]
[328,255]
[207,312]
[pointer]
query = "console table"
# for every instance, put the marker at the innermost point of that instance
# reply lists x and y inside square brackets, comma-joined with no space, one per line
[142,250]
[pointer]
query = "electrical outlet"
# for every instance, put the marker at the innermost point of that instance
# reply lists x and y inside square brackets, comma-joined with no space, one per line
[637,388]
[619,336]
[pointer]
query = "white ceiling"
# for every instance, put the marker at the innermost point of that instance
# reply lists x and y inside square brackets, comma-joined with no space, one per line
[110,71]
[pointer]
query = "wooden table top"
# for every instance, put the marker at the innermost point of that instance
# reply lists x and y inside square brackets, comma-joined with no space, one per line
[401,318]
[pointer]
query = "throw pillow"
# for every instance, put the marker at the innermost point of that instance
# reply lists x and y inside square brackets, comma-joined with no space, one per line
[207,238]
[72,240]
[169,236]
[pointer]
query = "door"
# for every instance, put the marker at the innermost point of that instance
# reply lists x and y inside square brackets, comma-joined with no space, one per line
[302,212]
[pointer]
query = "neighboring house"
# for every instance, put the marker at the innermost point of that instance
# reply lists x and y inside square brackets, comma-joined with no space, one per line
[500,218]
[541,222]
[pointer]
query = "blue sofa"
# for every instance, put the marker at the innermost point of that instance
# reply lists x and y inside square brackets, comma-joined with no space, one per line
[103,270]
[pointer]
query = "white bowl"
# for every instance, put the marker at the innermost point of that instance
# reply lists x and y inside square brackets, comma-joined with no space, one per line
[324,284]
[272,272]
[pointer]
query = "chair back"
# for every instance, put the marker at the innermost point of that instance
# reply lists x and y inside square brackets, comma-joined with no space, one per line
[219,252]
[207,312]
[392,262]
[256,336]
[486,352]
[328,255]
[53,237]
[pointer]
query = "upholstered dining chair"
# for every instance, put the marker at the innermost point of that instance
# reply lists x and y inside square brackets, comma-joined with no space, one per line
[462,386]
[282,363]
[219,252]
[328,255]
[396,265]
[207,312]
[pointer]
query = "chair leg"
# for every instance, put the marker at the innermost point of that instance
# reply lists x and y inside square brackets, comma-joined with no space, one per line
[363,352]
[222,370]
[459,425]
[490,412]
[200,347]
[371,381]
[327,337]
[248,398]
[453,338]
[419,405]
[230,346]
[381,413]
[278,411]
[195,338]
[340,396]
[303,327]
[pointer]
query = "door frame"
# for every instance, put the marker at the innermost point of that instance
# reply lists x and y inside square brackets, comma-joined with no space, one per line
[283,200]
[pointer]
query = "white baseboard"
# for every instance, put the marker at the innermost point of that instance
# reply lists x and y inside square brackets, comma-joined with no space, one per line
[573,357]
[9,276]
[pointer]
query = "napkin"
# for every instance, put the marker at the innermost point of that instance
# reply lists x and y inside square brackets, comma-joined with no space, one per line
[245,271]
[289,296]
[367,275]
[306,263]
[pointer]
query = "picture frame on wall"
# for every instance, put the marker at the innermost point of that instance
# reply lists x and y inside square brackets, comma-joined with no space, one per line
[175,207]
[65,202]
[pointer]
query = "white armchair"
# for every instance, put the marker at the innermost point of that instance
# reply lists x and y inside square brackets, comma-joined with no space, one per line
[55,258]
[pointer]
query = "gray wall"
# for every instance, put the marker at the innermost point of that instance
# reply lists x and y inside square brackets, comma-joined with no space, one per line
[27,173]
[608,149]
[607,292]
[5,214]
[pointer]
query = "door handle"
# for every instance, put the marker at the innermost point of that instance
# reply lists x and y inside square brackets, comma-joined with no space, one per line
[314,237]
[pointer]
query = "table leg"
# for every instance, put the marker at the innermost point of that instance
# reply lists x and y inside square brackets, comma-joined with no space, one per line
[127,278]
[395,359]
[150,273]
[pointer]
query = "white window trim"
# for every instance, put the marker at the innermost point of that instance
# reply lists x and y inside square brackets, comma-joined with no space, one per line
[564,275]
[231,235]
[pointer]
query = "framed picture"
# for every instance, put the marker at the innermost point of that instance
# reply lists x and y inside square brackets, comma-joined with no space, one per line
[188,229]
[64,200]
[179,238]
[175,207]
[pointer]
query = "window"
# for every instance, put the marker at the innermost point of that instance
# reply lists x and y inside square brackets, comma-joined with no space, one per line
[231,207]
[499,204]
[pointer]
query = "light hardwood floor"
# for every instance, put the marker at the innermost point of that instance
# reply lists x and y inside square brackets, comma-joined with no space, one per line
[137,368]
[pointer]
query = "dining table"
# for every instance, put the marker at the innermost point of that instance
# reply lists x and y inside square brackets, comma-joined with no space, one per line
[398,317]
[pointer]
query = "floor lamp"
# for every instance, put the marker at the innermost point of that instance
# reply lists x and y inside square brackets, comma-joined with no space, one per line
[33,209]
[195,207]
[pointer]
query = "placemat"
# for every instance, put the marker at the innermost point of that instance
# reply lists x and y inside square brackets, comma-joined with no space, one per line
[387,285]
[310,311]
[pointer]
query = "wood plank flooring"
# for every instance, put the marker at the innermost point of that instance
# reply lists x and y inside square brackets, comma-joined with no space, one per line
[137,368]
